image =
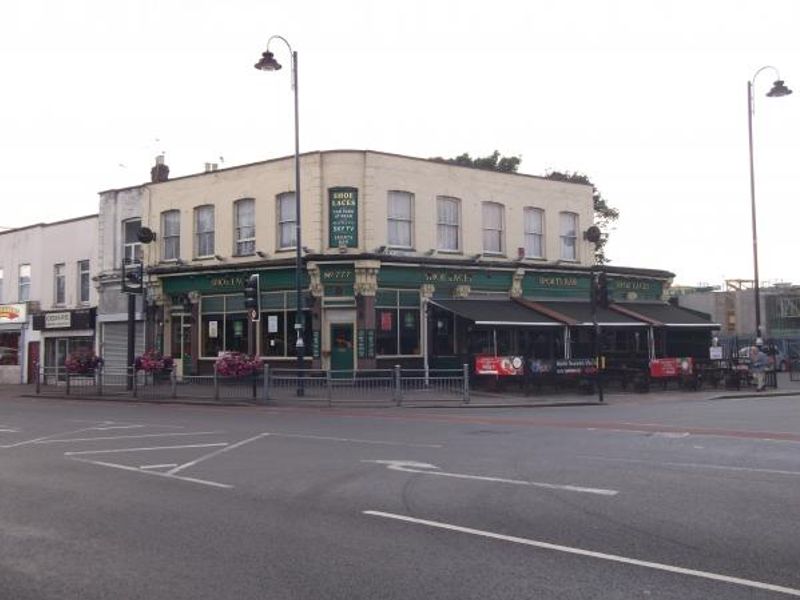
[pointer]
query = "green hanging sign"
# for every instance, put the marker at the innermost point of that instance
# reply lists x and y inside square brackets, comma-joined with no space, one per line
[343,217]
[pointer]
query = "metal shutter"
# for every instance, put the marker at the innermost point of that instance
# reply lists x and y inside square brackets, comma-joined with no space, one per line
[114,345]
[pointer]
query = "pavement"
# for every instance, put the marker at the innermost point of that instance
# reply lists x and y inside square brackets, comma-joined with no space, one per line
[657,496]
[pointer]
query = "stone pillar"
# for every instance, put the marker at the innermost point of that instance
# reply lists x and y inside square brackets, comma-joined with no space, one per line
[461,291]
[365,288]
[516,283]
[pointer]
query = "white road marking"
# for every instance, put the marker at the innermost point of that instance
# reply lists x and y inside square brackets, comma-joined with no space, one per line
[353,440]
[590,553]
[144,449]
[121,437]
[164,466]
[9,430]
[215,453]
[47,437]
[156,473]
[106,428]
[426,469]
[695,465]
[671,434]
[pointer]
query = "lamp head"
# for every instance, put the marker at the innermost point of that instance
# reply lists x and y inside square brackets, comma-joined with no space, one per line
[267,62]
[779,89]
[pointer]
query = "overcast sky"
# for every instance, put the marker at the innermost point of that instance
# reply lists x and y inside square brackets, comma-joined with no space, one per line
[648,98]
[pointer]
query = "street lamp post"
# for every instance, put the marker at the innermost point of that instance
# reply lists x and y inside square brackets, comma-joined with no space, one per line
[268,63]
[778,89]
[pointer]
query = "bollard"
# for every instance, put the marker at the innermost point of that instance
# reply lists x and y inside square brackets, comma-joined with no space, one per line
[265,388]
[173,380]
[398,393]
[99,380]
[465,377]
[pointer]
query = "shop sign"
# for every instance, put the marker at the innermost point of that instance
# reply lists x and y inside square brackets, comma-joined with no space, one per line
[343,217]
[671,367]
[453,277]
[715,353]
[338,275]
[59,320]
[502,366]
[565,366]
[13,313]
[213,329]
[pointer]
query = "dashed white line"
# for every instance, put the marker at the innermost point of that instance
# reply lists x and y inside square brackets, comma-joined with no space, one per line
[590,553]
[695,465]
[164,466]
[114,451]
[43,439]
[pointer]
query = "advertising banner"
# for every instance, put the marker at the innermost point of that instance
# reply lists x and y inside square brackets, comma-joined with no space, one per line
[503,366]
[671,367]
[13,313]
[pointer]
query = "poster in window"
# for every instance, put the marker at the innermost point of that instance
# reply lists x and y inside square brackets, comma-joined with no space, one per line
[213,329]
[272,324]
[238,328]
[386,321]
[409,320]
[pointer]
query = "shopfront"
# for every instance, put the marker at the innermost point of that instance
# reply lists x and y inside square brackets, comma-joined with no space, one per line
[64,332]
[13,320]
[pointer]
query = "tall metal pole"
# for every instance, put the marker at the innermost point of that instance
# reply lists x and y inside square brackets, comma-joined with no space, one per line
[299,322]
[756,291]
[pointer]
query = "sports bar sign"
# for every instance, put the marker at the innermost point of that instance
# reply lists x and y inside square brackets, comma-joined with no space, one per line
[343,217]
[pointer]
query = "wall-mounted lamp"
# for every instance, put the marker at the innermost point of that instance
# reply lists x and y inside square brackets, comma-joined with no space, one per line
[262,254]
[219,258]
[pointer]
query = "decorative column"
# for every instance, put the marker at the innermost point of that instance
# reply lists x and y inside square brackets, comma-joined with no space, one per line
[461,291]
[317,292]
[516,283]
[365,288]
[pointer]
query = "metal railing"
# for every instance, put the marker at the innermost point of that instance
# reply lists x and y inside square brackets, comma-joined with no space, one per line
[395,386]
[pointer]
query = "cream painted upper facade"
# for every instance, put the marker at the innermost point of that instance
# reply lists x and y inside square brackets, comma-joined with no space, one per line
[374,175]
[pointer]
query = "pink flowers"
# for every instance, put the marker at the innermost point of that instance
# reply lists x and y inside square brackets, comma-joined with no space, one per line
[83,360]
[236,364]
[152,362]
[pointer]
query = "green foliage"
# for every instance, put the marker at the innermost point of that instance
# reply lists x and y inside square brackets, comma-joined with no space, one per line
[604,214]
[493,162]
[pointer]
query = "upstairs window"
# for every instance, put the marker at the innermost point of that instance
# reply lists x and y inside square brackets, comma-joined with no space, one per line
[59,284]
[287,221]
[131,246]
[83,281]
[568,224]
[448,224]
[534,232]
[24,280]
[400,219]
[1,286]
[493,228]
[171,234]
[244,227]
[204,231]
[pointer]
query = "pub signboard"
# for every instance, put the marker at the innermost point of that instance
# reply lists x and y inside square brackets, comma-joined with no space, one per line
[343,217]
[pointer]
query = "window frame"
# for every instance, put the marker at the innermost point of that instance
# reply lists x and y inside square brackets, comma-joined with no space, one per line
[281,222]
[59,284]
[24,283]
[501,231]
[562,236]
[456,225]
[526,234]
[198,233]
[131,250]
[169,238]
[400,219]
[87,272]
[397,309]
[238,240]
[1,286]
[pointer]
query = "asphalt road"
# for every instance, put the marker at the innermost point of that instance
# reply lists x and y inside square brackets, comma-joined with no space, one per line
[648,499]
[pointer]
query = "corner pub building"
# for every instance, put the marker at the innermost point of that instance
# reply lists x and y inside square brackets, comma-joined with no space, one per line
[407,261]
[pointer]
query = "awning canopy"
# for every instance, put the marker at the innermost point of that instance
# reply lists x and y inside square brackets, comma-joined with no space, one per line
[496,312]
[580,314]
[661,314]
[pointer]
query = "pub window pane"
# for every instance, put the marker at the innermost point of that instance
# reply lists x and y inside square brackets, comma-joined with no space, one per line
[204,230]
[400,218]
[568,224]
[287,221]
[273,333]
[212,334]
[245,229]
[9,348]
[236,332]
[534,218]
[171,234]
[386,337]
[409,331]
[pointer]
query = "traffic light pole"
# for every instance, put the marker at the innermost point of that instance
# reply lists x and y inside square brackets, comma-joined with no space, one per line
[131,359]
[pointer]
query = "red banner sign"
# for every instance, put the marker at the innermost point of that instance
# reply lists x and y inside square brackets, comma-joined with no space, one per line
[499,365]
[671,367]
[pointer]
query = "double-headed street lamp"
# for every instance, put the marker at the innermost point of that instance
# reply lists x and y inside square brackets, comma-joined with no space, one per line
[268,63]
[778,89]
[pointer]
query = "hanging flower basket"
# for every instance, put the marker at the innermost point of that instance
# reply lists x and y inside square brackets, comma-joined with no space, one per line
[82,362]
[236,364]
[152,362]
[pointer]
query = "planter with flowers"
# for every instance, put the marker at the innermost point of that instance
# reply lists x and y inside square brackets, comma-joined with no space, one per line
[155,364]
[82,362]
[237,364]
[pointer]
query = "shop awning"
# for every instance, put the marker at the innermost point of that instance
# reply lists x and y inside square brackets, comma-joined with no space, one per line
[579,314]
[660,314]
[497,312]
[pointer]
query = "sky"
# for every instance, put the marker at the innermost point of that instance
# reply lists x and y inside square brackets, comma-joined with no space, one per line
[647,98]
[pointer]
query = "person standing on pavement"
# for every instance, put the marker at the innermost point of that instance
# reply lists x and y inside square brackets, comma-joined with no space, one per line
[758,365]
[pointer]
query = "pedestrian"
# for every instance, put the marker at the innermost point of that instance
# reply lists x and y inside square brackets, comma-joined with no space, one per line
[758,365]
